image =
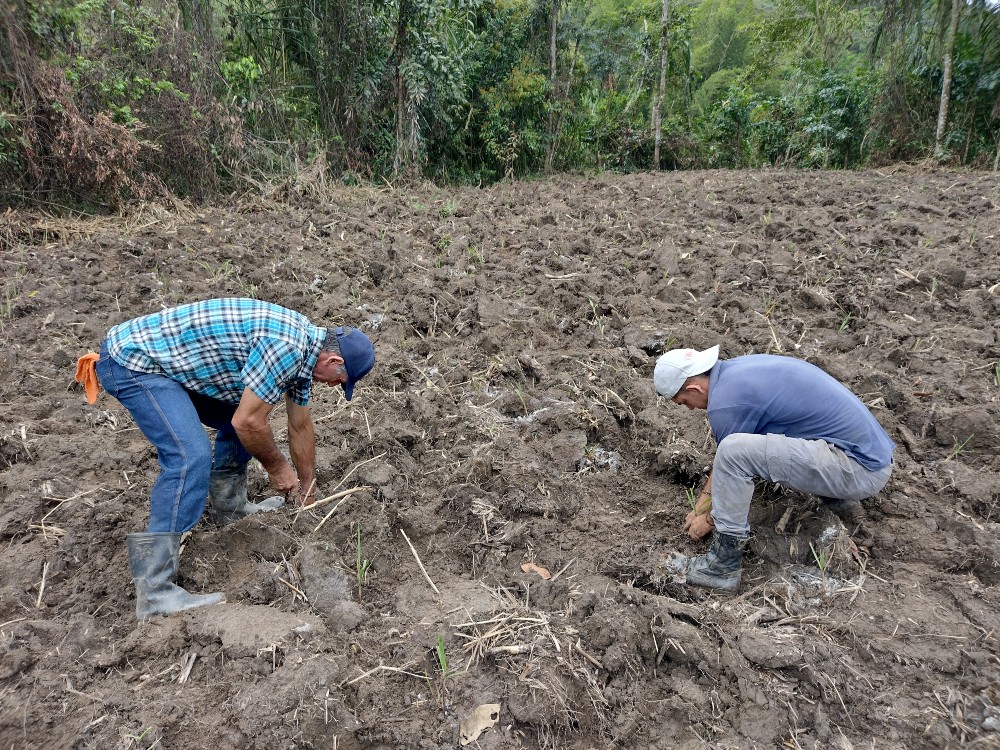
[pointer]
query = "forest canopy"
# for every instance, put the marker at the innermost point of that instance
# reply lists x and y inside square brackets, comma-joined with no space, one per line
[105,101]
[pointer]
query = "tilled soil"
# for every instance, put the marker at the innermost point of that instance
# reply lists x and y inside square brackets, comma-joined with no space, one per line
[506,485]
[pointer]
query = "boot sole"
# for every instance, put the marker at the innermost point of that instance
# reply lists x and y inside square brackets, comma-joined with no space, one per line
[714,582]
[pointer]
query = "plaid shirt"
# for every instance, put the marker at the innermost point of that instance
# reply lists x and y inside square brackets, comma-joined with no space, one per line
[221,346]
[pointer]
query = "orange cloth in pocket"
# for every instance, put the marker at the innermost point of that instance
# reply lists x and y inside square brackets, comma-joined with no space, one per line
[86,373]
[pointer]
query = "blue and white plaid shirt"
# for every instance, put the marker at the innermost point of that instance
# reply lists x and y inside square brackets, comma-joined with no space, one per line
[221,346]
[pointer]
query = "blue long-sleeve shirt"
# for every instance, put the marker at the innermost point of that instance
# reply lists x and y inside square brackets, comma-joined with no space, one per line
[765,394]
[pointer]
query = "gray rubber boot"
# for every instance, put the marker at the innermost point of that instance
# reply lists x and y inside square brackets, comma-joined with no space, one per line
[153,559]
[850,512]
[722,566]
[227,497]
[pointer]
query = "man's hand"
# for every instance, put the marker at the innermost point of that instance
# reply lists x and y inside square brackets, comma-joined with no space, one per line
[284,480]
[698,526]
[305,496]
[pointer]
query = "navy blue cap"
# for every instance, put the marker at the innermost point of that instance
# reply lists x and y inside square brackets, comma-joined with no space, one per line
[358,353]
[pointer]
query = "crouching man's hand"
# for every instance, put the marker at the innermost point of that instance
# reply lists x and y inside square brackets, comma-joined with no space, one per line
[698,526]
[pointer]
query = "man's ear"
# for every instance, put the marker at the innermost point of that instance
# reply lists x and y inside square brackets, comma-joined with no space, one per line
[328,358]
[698,385]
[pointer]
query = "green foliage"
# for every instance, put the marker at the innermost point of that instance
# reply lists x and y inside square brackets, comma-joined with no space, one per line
[821,123]
[461,90]
[513,127]
[61,25]
[107,103]
[500,124]
[720,36]
[284,67]
[825,33]
[832,118]
[959,448]
[692,497]
[10,147]
[243,77]
[441,654]
[116,89]
[618,133]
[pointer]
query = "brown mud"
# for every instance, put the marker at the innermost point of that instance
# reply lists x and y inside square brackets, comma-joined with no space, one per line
[511,419]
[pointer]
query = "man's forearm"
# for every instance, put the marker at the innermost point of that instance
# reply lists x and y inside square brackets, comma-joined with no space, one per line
[302,447]
[704,503]
[259,442]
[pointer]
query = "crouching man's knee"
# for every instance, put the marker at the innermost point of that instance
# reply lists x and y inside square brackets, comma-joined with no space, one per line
[742,453]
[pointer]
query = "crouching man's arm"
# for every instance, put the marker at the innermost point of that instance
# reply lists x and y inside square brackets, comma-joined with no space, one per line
[699,523]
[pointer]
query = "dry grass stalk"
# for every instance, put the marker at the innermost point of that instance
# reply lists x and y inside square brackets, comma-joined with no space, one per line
[328,516]
[954,712]
[63,500]
[294,581]
[528,645]
[55,531]
[41,586]
[186,667]
[309,489]
[69,689]
[485,511]
[562,570]
[356,467]
[328,499]
[419,564]
[511,634]
[843,705]
[383,668]
[579,649]
[295,589]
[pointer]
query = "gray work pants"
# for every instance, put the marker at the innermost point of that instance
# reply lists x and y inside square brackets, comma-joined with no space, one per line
[812,466]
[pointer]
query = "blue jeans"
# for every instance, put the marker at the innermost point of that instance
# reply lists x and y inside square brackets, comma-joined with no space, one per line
[171,418]
[812,466]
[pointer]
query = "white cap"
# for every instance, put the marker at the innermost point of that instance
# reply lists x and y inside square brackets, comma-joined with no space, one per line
[677,365]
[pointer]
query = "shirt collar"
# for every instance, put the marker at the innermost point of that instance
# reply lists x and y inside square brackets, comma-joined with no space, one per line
[317,336]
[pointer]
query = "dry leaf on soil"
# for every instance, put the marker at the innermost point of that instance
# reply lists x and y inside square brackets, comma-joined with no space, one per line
[532,568]
[483,718]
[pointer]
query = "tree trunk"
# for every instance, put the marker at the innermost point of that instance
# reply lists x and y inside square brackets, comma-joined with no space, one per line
[949,52]
[565,95]
[661,91]
[196,16]
[400,162]
[550,151]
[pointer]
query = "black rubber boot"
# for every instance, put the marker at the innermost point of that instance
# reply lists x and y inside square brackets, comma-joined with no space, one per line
[722,566]
[227,497]
[153,559]
[850,512]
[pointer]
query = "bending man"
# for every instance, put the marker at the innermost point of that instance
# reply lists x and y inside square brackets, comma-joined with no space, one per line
[224,363]
[776,418]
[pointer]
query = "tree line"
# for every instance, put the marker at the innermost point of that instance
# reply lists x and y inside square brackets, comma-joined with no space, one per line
[104,101]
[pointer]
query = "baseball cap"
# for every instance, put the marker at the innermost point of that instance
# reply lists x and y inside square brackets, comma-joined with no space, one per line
[358,353]
[677,365]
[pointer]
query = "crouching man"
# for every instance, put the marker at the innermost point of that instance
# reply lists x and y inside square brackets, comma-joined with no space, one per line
[776,418]
[224,363]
